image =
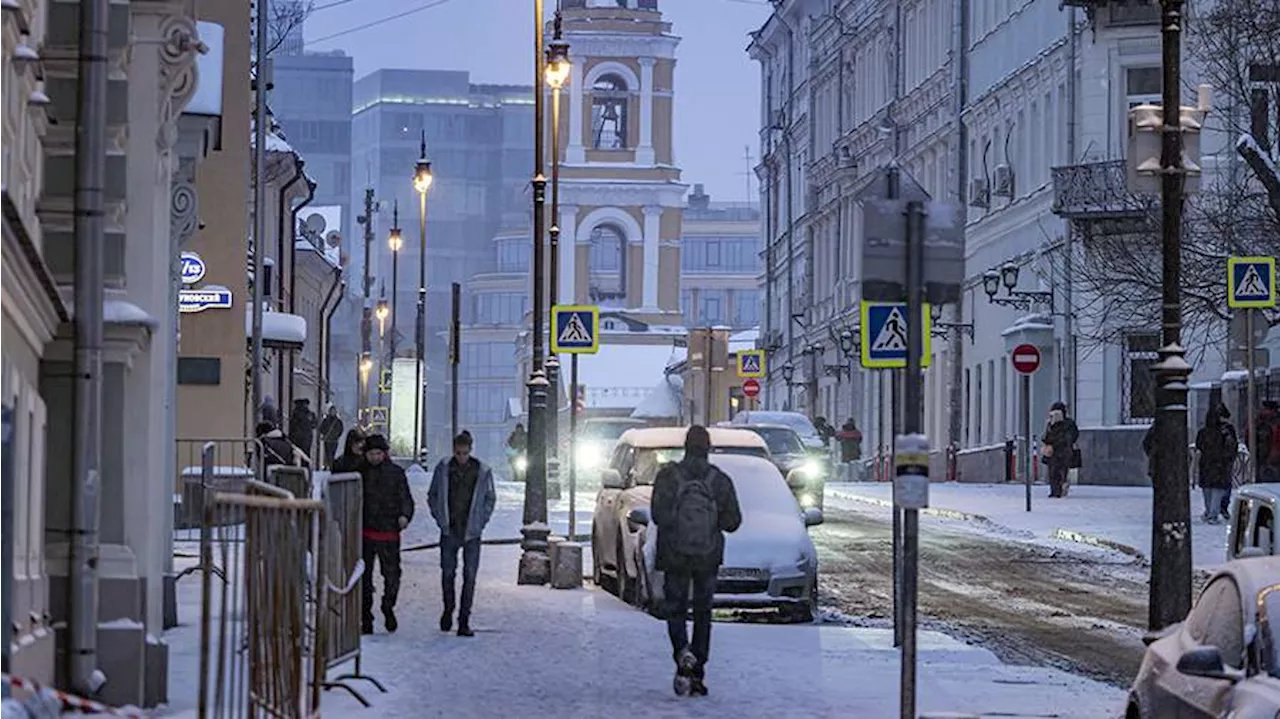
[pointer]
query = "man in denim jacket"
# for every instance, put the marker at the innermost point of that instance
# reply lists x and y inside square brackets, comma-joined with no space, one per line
[461,498]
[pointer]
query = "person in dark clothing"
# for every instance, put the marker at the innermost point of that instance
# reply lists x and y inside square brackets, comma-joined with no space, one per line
[302,425]
[352,453]
[825,430]
[850,438]
[276,448]
[1267,442]
[693,504]
[1218,445]
[388,509]
[461,498]
[517,444]
[330,434]
[1059,447]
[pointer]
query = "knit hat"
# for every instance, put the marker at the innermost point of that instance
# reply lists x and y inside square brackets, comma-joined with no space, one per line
[697,440]
[376,441]
[1058,406]
[463,439]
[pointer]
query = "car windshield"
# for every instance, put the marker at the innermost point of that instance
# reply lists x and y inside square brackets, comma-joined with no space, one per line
[606,431]
[794,420]
[1269,629]
[781,440]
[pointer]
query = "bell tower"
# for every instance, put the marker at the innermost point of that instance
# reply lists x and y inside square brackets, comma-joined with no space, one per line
[620,193]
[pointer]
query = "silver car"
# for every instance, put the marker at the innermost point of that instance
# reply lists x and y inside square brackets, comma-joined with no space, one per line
[769,563]
[1223,660]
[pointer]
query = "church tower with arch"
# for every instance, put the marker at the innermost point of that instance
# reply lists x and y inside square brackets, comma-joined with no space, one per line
[621,199]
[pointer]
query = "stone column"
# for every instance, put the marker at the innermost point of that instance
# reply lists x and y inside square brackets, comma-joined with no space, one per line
[644,151]
[568,254]
[574,153]
[649,277]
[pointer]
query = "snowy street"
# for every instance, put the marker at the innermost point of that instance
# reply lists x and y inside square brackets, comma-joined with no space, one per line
[540,652]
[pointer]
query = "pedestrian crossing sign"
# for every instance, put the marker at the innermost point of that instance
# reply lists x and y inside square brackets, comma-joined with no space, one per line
[575,329]
[884,335]
[751,364]
[1251,282]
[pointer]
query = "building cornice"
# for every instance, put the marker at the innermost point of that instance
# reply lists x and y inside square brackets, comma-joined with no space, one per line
[34,272]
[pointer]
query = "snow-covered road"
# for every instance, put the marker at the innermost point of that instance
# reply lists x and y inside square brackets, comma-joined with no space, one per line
[540,652]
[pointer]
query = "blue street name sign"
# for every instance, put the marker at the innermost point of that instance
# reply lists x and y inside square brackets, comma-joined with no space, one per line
[203,299]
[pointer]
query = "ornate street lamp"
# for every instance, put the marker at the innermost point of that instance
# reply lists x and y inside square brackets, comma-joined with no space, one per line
[556,74]
[422,180]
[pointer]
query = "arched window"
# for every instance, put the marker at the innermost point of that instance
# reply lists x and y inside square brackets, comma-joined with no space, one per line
[607,265]
[609,113]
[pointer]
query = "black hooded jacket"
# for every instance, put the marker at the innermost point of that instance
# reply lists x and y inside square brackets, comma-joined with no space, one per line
[666,490]
[386,496]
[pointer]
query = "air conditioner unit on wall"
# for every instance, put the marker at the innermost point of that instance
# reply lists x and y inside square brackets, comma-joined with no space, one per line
[979,193]
[1004,181]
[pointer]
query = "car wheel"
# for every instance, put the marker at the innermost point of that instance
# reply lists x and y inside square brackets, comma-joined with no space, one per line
[626,592]
[807,613]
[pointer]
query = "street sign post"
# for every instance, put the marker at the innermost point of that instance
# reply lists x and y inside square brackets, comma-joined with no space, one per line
[751,363]
[1251,286]
[751,388]
[884,335]
[575,330]
[1026,360]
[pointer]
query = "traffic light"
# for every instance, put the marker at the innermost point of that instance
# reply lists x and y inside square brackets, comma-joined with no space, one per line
[1146,130]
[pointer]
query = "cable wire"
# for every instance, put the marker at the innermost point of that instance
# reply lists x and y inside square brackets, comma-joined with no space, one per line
[375,23]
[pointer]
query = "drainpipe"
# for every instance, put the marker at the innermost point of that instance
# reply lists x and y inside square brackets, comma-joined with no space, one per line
[293,260]
[326,339]
[960,165]
[1068,265]
[285,404]
[786,138]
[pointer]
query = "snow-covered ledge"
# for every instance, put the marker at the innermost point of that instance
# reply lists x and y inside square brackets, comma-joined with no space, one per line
[280,330]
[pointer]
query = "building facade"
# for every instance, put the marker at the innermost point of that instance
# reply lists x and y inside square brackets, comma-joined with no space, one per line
[1015,112]
[720,263]
[479,143]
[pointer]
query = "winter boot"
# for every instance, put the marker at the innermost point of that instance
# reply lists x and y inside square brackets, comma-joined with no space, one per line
[389,616]
[685,664]
[366,624]
[697,688]
[464,628]
[446,620]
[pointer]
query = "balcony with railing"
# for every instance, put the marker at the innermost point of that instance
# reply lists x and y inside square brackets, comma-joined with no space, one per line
[1097,191]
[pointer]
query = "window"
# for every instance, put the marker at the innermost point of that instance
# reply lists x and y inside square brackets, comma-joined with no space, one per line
[686,304]
[967,406]
[609,113]
[1264,102]
[1140,385]
[1142,84]
[977,406]
[746,308]
[608,264]
[199,370]
[500,308]
[711,307]
[487,360]
[513,255]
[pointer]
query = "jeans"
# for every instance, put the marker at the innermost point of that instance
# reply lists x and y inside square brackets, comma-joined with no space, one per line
[387,555]
[449,546]
[1215,500]
[678,601]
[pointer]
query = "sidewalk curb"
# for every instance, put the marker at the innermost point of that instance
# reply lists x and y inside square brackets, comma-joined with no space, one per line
[1070,535]
[940,512]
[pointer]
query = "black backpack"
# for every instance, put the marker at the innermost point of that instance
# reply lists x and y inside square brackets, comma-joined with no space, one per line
[697,517]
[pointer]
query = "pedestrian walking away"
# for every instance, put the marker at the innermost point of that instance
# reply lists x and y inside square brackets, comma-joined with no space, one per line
[461,498]
[302,425]
[276,448]
[330,434]
[1218,444]
[694,504]
[517,443]
[850,438]
[1058,448]
[352,457]
[388,509]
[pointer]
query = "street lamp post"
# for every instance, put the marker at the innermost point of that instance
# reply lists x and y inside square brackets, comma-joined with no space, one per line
[557,72]
[395,242]
[381,312]
[535,565]
[422,179]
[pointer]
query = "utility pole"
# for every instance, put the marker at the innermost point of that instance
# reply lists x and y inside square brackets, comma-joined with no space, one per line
[960,161]
[912,430]
[366,318]
[1171,570]
[535,564]
[91,150]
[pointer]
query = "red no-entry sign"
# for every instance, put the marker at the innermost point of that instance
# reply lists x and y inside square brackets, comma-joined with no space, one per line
[1026,359]
[751,388]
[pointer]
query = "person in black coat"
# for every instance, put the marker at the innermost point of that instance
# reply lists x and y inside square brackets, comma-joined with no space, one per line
[1218,444]
[388,509]
[276,448]
[1058,449]
[352,453]
[693,504]
[330,435]
[302,426]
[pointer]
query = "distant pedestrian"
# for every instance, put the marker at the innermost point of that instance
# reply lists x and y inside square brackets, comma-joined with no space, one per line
[352,456]
[517,444]
[277,450]
[825,431]
[302,425]
[268,412]
[694,503]
[1267,442]
[1058,448]
[1218,445]
[330,433]
[850,438]
[388,509]
[461,499]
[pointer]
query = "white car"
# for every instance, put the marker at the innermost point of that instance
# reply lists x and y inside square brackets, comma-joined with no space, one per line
[769,563]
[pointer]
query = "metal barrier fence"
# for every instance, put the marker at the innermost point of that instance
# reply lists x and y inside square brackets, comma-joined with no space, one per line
[261,641]
[343,496]
[234,461]
[294,480]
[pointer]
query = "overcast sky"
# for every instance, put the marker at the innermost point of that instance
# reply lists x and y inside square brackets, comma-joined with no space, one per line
[717,85]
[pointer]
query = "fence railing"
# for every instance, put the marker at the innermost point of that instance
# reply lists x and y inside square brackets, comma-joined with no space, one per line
[234,461]
[260,635]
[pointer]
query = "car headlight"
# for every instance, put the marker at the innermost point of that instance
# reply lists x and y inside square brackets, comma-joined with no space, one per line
[521,463]
[587,456]
[812,468]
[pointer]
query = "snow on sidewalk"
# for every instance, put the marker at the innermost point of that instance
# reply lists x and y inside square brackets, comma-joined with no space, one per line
[1118,516]
[540,652]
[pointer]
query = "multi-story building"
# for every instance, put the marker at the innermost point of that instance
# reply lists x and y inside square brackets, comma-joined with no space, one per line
[1027,136]
[720,265]
[479,144]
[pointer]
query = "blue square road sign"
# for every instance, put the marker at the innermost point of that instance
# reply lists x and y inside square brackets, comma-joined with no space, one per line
[1251,282]
[575,329]
[884,335]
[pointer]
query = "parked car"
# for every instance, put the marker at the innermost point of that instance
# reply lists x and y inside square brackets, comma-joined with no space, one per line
[795,420]
[805,474]
[596,438]
[769,564]
[1253,521]
[1224,658]
[628,483]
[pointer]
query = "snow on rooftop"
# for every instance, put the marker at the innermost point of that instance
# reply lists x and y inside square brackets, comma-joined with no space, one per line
[121,312]
[326,252]
[664,401]
[1029,323]
[622,376]
[278,327]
